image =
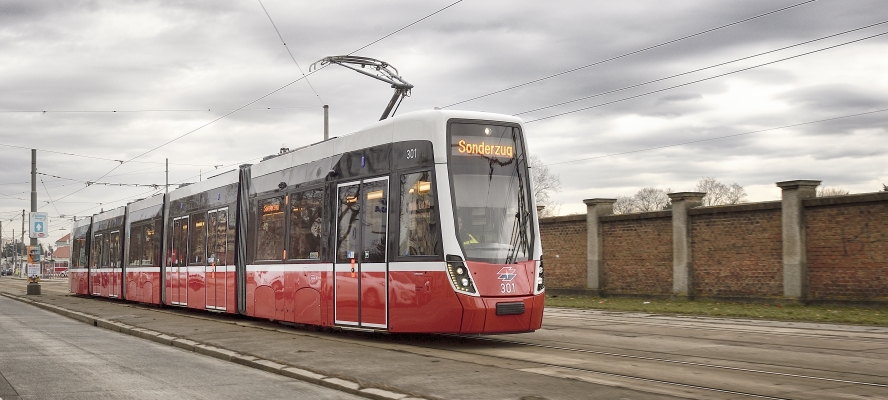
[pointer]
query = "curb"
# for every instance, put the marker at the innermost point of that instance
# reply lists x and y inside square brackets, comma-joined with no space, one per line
[289,371]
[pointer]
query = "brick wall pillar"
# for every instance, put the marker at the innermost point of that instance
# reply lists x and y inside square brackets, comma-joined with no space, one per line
[595,208]
[682,262]
[795,263]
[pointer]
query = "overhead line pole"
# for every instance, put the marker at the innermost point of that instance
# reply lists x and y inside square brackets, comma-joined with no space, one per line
[326,122]
[24,256]
[34,285]
[33,187]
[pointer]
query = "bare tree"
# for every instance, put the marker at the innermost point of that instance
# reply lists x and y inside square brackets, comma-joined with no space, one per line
[647,199]
[545,183]
[884,187]
[625,205]
[652,199]
[736,194]
[831,191]
[718,193]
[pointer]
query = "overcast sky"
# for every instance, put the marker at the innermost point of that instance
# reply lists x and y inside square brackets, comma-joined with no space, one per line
[171,68]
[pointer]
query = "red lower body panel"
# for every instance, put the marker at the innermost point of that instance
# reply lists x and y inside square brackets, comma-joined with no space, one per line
[143,286]
[78,282]
[479,314]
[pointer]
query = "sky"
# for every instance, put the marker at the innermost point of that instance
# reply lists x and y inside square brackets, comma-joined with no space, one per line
[108,90]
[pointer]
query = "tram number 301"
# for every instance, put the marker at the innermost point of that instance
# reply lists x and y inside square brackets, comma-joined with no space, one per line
[411,154]
[507,288]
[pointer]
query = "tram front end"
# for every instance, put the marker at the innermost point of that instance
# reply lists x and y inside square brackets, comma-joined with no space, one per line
[497,271]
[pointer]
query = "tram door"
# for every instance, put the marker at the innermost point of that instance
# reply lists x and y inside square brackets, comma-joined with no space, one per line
[95,265]
[116,278]
[360,268]
[216,271]
[176,288]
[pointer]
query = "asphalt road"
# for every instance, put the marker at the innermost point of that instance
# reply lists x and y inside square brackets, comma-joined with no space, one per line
[47,356]
[577,354]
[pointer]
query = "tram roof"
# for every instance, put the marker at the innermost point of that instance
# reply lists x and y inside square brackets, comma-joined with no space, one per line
[428,125]
[104,215]
[142,204]
[86,221]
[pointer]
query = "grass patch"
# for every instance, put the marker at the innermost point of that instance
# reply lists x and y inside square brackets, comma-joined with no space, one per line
[779,312]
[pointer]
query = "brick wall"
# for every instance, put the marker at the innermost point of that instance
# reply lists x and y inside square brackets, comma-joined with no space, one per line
[737,251]
[847,249]
[637,253]
[564,250]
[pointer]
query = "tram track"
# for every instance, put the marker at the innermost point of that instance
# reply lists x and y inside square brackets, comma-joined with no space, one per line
[696,390]
[689,363]
[714,325]
[694,368]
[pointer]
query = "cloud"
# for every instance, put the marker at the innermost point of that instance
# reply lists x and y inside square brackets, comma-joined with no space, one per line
[170,68]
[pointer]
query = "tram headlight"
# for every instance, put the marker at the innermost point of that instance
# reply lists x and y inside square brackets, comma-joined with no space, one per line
[541,279]
[459,274]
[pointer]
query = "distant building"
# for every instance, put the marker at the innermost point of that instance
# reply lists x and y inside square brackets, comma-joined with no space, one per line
[61,256]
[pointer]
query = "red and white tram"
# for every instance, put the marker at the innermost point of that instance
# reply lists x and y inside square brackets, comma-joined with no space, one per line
[423,222]
[78,272]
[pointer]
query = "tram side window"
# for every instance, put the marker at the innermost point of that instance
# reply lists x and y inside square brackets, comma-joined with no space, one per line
[114,253]
[212,221]
[197,239]
[217,240]
[305,224]
[224,239]
[96,251]
[78,255]
[270,232]
[418,228]
[136,242]
[149,244]
[106,252]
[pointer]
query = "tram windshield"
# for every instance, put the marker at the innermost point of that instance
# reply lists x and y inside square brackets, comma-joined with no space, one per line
[491,190]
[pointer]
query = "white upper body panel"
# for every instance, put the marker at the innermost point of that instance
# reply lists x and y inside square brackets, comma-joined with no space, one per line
[428,125]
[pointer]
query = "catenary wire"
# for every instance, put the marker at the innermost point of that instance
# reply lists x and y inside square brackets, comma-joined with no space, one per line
[262,97]
[147,110]
[721,137]
[289,52]
[49,196]
[98,158]
[699,69]
[630,53]
[704,79]
[409,25]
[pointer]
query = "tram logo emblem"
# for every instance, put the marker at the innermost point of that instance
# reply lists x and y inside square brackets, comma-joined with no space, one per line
[506,274]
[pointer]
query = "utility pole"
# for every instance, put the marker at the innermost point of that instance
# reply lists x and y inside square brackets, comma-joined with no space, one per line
[33,187]
[326,122]
[34,286]
[166,186]
[25,249]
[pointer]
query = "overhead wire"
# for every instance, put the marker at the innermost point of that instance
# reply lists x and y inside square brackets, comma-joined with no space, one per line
[289,52]
[409,25]
[258,99]
[699,69]
[703,79]
[98,158]
[720,137]
[147,110]
[630,53]
[49,196]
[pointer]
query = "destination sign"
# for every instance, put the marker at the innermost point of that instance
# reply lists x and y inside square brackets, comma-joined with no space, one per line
[484,149]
